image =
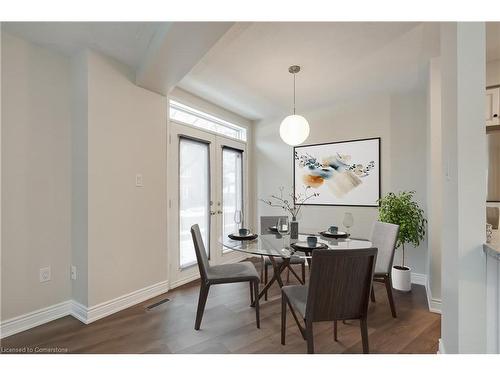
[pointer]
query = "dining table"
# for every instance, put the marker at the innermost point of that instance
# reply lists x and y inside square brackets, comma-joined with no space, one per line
[276,245]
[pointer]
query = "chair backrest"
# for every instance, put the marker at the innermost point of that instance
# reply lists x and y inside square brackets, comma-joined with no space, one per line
[268,221]
[201,253]
[340,284]
[492,216]
[384,237]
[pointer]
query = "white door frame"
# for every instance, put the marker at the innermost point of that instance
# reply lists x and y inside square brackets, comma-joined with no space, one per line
[178,276]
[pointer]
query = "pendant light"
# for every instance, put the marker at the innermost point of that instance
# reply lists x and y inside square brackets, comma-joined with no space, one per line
[294,129]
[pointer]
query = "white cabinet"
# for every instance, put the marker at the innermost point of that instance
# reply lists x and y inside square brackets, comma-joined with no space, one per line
[493,106]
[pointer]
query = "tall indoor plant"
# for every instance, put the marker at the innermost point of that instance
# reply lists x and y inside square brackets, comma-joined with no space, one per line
[401,209]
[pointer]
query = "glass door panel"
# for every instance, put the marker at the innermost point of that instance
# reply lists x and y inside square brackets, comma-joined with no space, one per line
[194,197]
[232,191]
[206,186]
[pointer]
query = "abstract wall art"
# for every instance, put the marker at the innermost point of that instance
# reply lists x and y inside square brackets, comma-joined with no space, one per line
[345,173]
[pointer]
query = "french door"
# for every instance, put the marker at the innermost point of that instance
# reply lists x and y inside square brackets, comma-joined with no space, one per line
[207,186]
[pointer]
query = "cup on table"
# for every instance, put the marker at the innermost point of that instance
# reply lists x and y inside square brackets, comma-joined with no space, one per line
[333,229]
[243,232]
[312,241]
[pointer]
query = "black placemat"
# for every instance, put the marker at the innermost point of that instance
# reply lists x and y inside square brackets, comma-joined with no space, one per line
[319,246]
[334,235]
[237,237]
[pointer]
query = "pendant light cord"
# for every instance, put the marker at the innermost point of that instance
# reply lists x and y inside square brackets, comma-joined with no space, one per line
[294,93]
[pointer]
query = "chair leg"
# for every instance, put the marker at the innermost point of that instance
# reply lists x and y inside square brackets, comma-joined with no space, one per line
[309,337]
[251,292]
[388,287]
[283,318]
[335,330]
[303,266]
[201,305]
[265,280]
[256,294]
[262,269]
[372,294]
[364,335]
[288,274]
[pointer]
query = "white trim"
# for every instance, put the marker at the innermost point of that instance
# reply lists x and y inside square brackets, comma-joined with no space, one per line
[114,305]
[82,313]
[35,318]
[185,280]
[434,304]
[419,278]
[441,349]
[79,311]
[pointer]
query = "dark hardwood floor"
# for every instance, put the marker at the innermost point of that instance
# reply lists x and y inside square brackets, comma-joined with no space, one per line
[228,326]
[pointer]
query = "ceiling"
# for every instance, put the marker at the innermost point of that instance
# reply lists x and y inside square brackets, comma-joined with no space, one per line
[124,41]
[247,69]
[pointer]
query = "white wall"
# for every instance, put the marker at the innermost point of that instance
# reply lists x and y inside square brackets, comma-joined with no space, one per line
[36,177]
[79,167]
[400,120]
[408,166]
[80,124]
[127,248]
[434,182]
[463,64]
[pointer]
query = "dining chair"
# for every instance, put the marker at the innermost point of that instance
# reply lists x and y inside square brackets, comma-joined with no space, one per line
[265,223]
[384,237]
[222,274]
[339,289]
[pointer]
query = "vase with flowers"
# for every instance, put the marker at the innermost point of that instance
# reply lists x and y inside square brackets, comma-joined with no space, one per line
[291,203]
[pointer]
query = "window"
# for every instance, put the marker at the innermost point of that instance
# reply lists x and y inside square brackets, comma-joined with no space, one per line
[194,197]
[232,191]
[187,115]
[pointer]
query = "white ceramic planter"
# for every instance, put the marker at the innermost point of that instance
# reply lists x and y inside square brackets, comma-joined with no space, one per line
[401,278]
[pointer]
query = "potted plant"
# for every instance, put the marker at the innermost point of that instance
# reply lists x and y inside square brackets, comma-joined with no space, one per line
[402,210]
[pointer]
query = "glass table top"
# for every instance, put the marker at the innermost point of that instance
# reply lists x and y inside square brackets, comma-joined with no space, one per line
[279,246]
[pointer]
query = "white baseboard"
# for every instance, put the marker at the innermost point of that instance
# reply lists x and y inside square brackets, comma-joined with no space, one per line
[419,278]
[441,349]
[178,283]
[84,314]
[35,318]
[79,311]
[434,304]
[91,314]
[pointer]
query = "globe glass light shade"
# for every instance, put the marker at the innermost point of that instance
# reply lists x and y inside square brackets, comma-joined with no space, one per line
[294,130]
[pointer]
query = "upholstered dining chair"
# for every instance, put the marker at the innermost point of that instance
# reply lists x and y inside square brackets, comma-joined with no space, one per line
[265,223]
[222,274]
[339,289]
[384,237]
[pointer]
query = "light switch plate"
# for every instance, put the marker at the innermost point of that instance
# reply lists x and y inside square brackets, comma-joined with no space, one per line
[73,272]
[138,180]
[45,274]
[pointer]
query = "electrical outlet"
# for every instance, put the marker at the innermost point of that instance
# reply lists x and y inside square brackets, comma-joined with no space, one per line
[73,272]
[45,274]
